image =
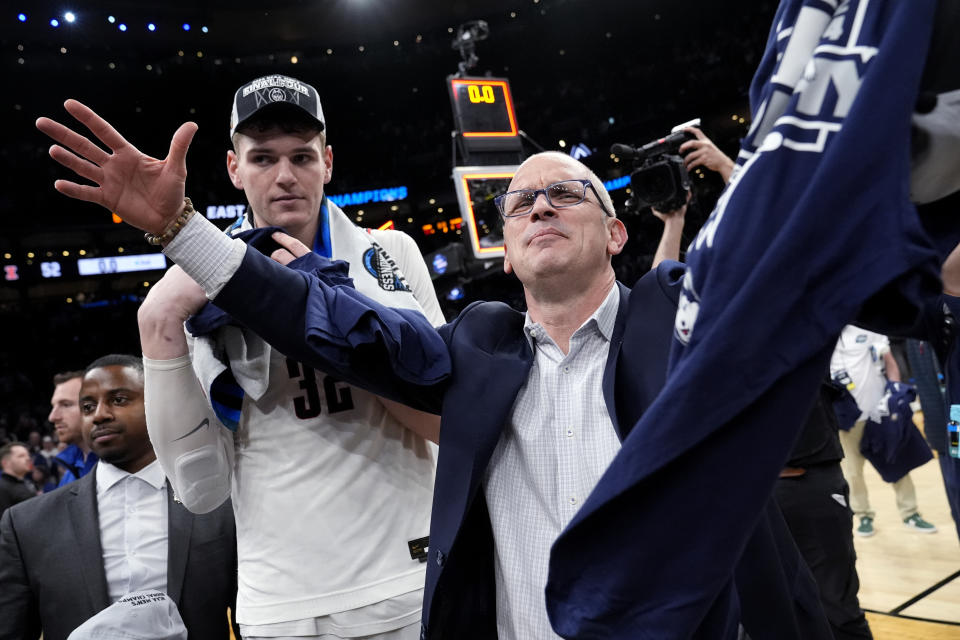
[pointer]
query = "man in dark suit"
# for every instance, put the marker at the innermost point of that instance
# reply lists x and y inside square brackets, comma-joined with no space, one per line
[116,530]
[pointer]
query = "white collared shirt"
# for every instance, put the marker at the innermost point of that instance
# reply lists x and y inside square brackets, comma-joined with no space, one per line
[133,528]
[558,442]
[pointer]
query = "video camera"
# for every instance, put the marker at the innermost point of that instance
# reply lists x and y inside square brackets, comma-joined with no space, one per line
[659,178]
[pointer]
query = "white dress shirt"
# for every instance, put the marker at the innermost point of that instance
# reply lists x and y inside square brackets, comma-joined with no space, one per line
[133,528]
[558,442]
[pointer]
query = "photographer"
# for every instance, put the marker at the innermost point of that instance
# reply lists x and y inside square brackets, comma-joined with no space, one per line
[661,179]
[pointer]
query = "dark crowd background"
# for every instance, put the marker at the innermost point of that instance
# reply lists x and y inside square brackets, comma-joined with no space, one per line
[591,73]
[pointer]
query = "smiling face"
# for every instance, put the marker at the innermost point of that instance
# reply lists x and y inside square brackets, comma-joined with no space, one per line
[283,175]
[65,412]
[114,422]
[573,243]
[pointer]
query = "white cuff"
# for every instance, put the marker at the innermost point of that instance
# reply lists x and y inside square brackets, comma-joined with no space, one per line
[206,254]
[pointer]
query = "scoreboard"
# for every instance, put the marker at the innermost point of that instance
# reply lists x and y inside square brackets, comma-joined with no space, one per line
[36,270]
[484,113]
[476,188]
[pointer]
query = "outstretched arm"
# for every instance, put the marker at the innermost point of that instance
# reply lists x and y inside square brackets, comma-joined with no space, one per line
[426,425]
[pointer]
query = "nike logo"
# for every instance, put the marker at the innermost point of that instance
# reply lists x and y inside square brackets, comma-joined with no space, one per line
[204,423]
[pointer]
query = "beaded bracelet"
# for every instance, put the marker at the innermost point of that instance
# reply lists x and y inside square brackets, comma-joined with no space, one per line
[173,229]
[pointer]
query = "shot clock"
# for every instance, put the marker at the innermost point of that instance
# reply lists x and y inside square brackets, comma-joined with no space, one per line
[484,114]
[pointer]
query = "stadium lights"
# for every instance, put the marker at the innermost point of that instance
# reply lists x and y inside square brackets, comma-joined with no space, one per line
[111,19]
[22,17]
[122,27]
[70,17]
[151,26]
[54,23]
[186,26]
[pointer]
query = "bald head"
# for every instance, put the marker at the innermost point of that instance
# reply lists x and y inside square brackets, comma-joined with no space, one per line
[580,169]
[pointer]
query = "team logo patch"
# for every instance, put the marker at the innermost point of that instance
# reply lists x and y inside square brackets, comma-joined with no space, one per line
[277,94]
[381,266]
[687,310]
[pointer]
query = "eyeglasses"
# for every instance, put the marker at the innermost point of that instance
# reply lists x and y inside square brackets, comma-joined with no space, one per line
[567,193]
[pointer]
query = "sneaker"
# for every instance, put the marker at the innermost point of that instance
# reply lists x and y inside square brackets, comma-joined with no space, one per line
[866,527]
[917,523]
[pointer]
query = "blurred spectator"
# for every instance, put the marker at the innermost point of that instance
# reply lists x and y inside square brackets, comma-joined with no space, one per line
[76,460]
[43,480]
[48,450]
[33,442]
[16,464]
[862,363]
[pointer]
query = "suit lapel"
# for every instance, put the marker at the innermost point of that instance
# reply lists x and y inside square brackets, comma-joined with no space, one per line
[85,521]
[178,545]
[610,369]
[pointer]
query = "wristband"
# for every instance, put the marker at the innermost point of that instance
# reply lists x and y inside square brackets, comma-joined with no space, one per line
[173,229]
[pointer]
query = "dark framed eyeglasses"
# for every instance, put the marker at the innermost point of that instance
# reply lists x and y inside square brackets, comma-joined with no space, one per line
[567,193]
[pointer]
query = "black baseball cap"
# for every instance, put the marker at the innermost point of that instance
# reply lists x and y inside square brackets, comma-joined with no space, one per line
[270,91]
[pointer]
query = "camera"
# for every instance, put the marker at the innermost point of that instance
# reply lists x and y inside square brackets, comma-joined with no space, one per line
[659,178]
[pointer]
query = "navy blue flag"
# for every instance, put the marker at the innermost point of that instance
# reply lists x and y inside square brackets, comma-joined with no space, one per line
[815,228]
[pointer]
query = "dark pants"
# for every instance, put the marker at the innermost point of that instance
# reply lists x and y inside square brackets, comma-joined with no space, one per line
[822,529]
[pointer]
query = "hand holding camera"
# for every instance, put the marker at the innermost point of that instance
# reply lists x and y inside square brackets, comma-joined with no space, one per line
[660,179]
[701,152]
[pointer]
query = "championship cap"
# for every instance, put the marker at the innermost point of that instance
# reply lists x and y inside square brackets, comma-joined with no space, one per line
[271,91]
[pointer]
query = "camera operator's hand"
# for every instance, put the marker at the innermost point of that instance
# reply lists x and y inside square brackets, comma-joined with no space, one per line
[703,153]
[669,246]
[671,217]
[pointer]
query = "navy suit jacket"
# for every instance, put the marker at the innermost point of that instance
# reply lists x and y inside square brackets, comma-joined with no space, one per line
[51,565]
[469,371]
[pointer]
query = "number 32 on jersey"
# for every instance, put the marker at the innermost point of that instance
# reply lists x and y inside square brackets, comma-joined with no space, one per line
[336,393]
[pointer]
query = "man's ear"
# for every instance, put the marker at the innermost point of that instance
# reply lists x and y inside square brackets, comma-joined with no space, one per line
[328,160]
[233,164]
[617,237]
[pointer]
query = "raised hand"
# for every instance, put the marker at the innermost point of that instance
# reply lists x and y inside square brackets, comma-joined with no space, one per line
[702,152]
[146,192]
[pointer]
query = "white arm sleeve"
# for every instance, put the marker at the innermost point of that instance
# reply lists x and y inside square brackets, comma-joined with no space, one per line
[195,451]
